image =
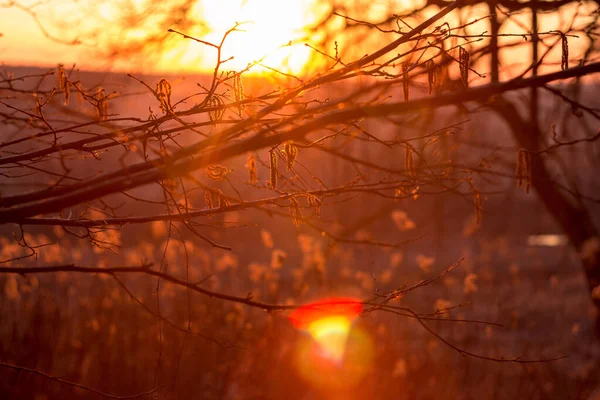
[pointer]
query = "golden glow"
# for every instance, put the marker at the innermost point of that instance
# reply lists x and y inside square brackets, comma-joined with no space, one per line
[331,333]
[548,240]
[335,354]
[272,24]
[267,29]
[320,369]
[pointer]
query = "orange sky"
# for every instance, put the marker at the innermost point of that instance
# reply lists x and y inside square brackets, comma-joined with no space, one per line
[23,43]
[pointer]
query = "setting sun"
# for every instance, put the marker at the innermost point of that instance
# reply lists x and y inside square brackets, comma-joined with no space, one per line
[299,199]
[270,30]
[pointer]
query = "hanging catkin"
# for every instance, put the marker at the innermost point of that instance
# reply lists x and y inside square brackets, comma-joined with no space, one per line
[408,162]
[273,165]
[431,75]
[405,79]
[163,93]
[565,52]
[252,171]
[295,212]
[523,172]
[478,206]
[216,108]
[464,66]
[238,92]
[290,151]
[101,104]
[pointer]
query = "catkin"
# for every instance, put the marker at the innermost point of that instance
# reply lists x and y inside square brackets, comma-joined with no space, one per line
[67,92]
[291,152]
[405,79]
[273,165]
[523,172]
[208,199]
[238,92]
[252,171]
[408,162]
[314,201]
[564,65]
[216,104]
[61,76]
[163,93]
[79,93]
[223,202]
[464,66]
[295,212]
[478,206]
[63,83]
[101,104]
[216,172]
[431,75]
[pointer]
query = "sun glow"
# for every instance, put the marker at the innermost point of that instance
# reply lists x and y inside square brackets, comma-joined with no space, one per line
[331,333]
[271,32]
[334,354]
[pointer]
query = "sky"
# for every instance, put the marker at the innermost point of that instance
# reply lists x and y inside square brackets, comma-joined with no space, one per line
[22,42]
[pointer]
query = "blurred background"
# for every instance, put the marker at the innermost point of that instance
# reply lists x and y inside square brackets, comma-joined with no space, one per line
[503,186]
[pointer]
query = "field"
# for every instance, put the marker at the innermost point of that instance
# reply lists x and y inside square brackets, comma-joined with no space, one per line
[508,297]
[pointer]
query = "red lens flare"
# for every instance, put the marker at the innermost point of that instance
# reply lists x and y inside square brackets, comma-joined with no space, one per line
[348,307]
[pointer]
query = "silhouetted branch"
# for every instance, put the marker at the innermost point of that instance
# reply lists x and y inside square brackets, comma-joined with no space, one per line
[76,385]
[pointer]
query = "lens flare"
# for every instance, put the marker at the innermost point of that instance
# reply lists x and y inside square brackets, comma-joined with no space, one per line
[334,354]
[331,333]
[348,307]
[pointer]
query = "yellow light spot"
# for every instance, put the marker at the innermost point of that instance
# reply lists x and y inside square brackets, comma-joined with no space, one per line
[331,333]
[548,240]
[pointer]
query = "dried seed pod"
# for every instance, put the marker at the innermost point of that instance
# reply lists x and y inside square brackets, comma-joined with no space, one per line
[216,172]
[464,66]
[405,79]
[217,110]
[290,151]
[252,171]
[273,165]
[163,93]
[565,52]
[431,75]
